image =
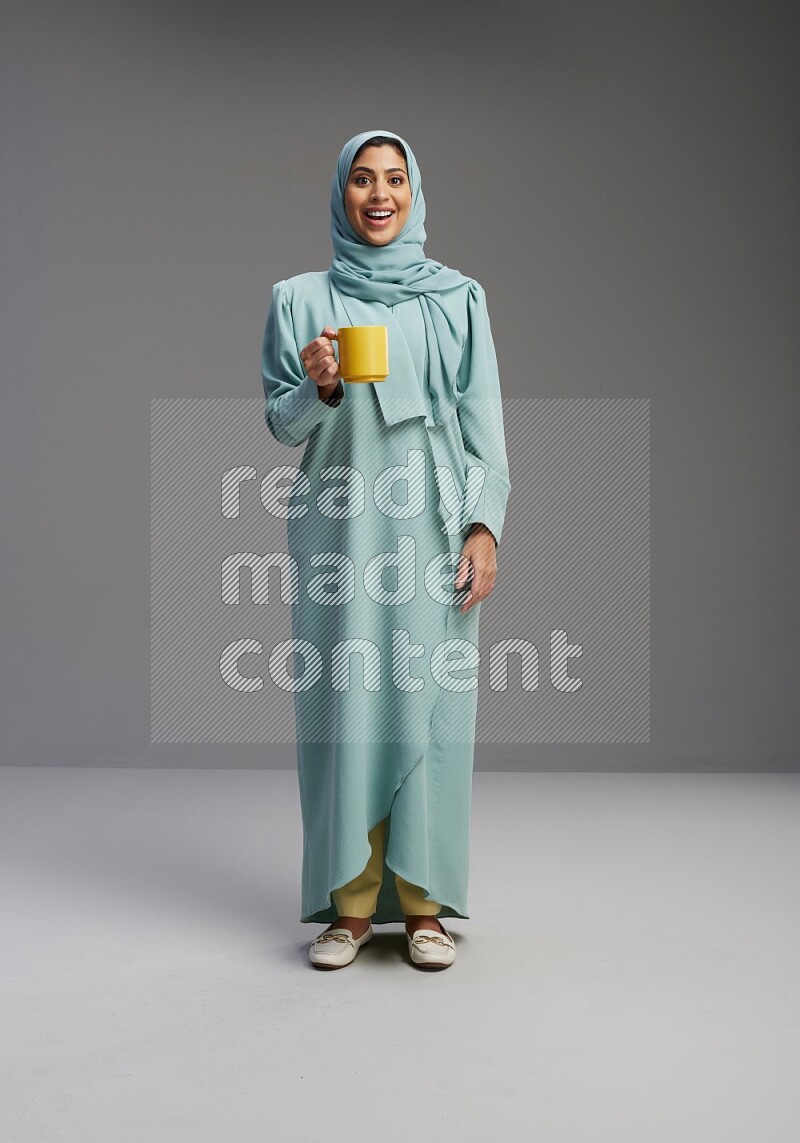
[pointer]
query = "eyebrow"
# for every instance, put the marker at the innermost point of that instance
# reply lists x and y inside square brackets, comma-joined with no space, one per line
[370,170]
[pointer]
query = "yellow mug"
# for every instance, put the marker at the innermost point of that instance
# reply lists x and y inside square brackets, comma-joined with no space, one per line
[363,352]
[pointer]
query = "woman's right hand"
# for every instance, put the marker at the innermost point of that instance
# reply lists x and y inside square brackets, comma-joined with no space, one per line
[320,363]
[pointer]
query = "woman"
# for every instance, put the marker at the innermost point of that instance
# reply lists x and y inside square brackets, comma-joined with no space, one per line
[386,721]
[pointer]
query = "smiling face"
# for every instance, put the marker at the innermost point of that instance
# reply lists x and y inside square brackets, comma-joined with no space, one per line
[378,182]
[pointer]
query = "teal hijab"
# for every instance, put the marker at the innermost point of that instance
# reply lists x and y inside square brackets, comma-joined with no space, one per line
[395,273]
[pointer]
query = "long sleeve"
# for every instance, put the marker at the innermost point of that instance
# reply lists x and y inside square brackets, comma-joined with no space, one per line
[480,413]
[294,408]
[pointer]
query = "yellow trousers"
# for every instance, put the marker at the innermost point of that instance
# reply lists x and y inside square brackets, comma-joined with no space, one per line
[359,897]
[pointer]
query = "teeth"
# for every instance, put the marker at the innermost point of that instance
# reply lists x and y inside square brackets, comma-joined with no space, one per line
[378,213]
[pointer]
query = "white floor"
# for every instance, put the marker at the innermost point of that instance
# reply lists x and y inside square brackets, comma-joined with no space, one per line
[630,970]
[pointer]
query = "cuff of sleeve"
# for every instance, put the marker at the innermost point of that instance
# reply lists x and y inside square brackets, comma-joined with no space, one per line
[301,410]
[491,506]
[335,398]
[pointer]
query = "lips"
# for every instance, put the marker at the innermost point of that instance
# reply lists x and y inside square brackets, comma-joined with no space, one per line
[379,223]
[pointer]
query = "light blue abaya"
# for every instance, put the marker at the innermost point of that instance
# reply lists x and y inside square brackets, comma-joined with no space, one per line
[391,481]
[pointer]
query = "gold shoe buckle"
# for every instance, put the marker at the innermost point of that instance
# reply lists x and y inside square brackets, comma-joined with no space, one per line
[437,940]
[332,937]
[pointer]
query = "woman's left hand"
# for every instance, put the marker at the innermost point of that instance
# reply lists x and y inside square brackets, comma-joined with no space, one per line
[478,553]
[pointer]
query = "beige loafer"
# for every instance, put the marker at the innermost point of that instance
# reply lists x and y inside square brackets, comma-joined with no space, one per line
[429,948]
[337,947]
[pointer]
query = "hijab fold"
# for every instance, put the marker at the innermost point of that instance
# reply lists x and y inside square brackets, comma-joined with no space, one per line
[365,274]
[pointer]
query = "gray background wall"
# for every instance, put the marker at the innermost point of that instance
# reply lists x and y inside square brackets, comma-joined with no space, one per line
[622,178]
